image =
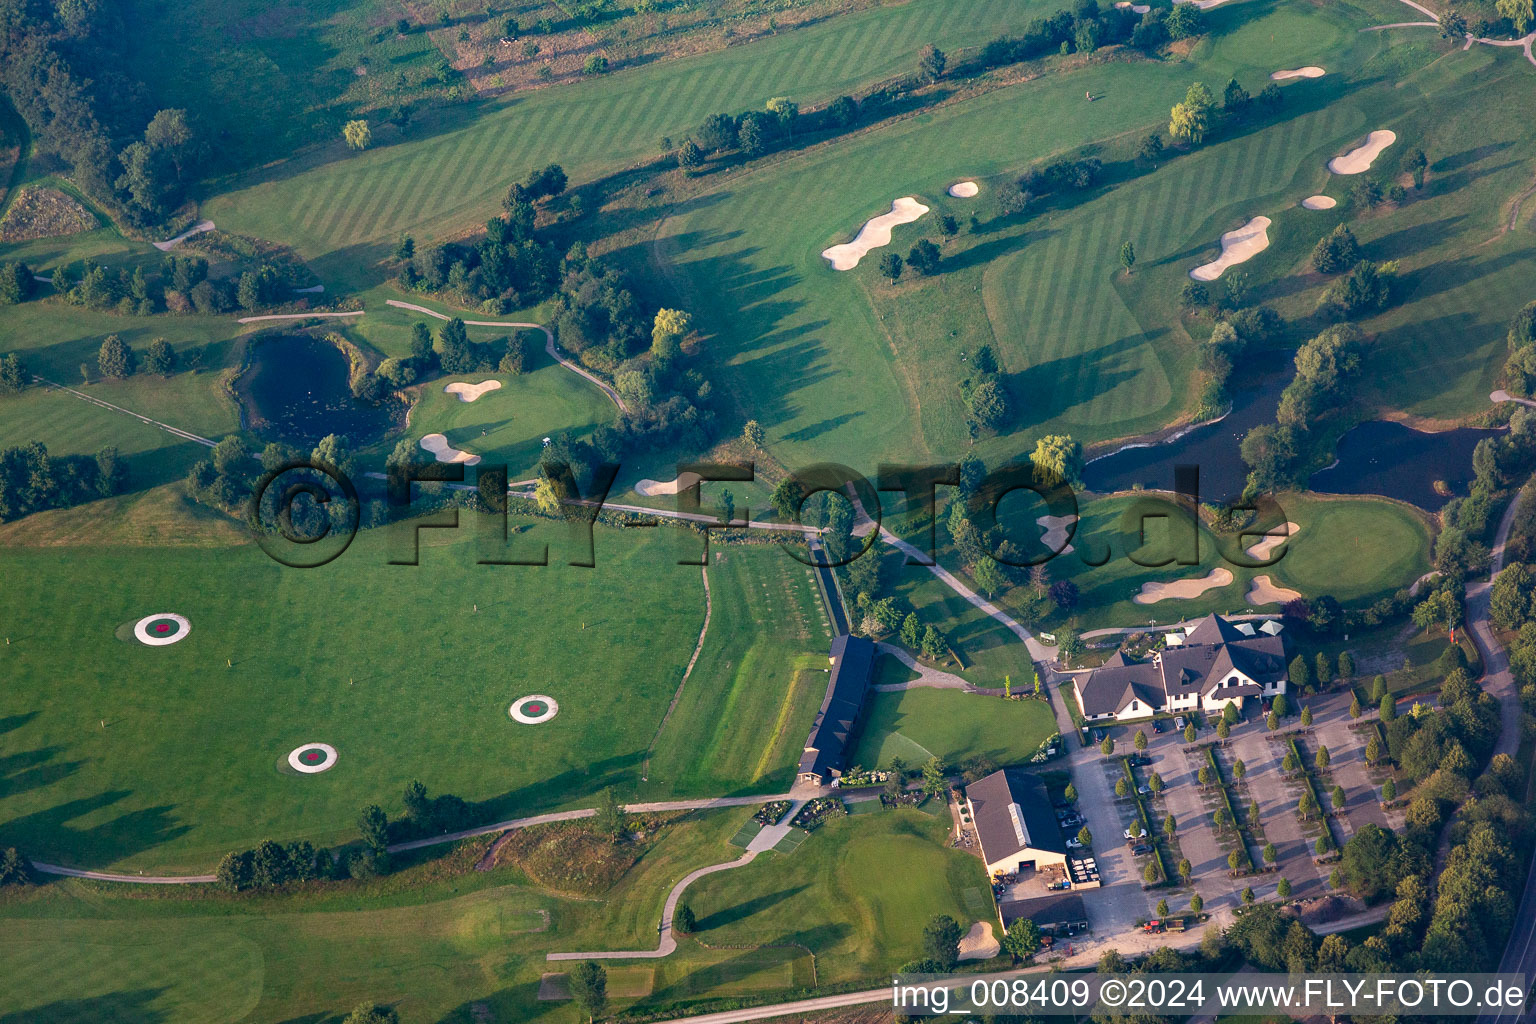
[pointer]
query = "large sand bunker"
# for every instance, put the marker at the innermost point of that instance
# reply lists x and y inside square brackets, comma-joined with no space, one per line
[1055,535]
[875,233]
[1236,247]
[438,445]
[655,488]
[1202,4]
[1267,544]
[1151,593]
[1319,203]
[470,392]
[1134,8]
[1310,71]
[1264,591]
[964,189]
[1359,159]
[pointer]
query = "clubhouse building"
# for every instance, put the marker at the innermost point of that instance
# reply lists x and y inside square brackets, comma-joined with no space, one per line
[837,723]
[1218,662]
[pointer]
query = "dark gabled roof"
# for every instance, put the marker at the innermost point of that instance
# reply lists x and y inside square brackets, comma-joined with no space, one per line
[1057,908]
[1213,629]
[1213,649]
[853,660]
[1013,814]
[1184,669]
[1109,688]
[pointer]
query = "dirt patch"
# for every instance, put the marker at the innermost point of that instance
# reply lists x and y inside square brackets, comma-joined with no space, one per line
[41,212]
[1183,590]
[568,857]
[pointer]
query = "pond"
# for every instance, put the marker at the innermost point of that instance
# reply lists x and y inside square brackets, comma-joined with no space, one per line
[296,390]
[1375,457]
[1378,457]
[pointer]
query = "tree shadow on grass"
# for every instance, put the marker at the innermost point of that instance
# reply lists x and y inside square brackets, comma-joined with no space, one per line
[28,770]
[745,909]
[131,1007]
[46,834]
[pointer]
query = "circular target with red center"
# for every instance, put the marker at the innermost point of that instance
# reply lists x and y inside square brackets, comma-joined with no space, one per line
[535,710]
[162,629]
[312,758]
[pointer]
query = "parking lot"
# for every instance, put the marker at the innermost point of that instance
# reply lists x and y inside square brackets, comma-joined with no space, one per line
[1122,901]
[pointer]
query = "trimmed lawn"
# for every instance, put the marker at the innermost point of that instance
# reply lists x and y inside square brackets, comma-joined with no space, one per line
[742,719]
[451,170]
[857,893]
[952,725]
[168,757]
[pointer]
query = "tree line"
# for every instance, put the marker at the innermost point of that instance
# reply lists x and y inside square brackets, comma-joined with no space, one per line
[60,69]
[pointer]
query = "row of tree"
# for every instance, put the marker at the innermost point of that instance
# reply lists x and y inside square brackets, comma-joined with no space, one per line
[31,480]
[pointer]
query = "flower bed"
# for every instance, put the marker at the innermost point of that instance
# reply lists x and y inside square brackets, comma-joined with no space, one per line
[771,813]
[818,810]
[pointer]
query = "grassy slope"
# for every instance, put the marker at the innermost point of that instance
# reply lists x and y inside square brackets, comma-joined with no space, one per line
[390,664]
[454,172]
[858,892]
[856,895]
[83,952]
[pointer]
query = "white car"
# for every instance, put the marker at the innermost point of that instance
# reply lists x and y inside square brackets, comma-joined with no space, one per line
[1128,837]
[1073,844]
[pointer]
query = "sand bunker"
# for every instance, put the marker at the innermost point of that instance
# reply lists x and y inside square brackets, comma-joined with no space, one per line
[1135,8]
[1202,4]
[1236,247]
[875,233]
[1359,160]
[470,392]
[1310,71]
[1055,535]
[964,189]
[654,488]
[438,445]
[1319,202]
[1264,591]
[1151,593]
[979,943]
[195,229]
[1268,544]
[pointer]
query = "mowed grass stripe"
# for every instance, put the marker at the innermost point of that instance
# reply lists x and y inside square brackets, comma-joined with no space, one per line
[350,185]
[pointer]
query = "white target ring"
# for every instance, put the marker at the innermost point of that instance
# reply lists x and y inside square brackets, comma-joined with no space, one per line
[534,710]
[161,630]
[312,758]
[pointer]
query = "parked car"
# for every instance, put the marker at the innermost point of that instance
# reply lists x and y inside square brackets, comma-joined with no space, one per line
[1141,849]
[1144,790]
[1073,844]
[1072,822]
[1157,725]
[1127,835]
[1178,723]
